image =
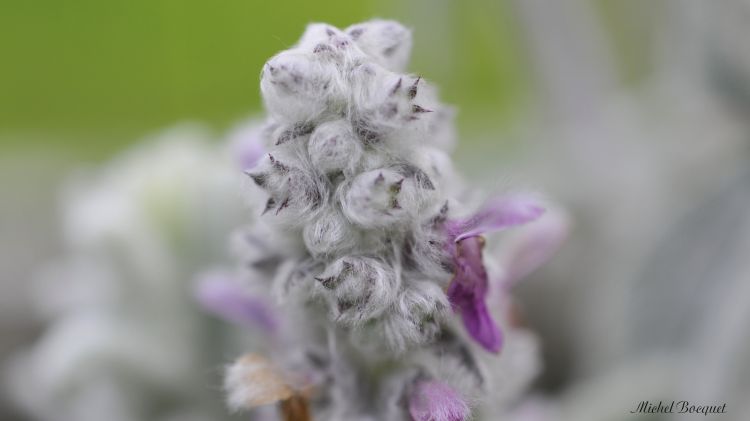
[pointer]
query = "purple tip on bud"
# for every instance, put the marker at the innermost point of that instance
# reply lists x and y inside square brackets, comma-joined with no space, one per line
[328,283]
[413,88]
[284,205]
[322,47]
[356,33]
[258,178]
[270,204]
[434,400]
[396,87]
[277,165]
[396,187]
[419,109]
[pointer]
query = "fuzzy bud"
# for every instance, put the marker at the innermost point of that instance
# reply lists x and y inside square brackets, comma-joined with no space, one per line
[389,106]
[333,147]
[292,133]
[415,317]
[357,289]
[386,41]
[317,33]
[329,234]
[382,198]
[295,193]
[299,88]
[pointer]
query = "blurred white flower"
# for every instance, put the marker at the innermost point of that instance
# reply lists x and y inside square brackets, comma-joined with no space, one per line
[125,340]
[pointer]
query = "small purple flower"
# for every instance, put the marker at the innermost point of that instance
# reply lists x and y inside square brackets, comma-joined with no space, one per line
[221,295]
[434,400]
[468,290]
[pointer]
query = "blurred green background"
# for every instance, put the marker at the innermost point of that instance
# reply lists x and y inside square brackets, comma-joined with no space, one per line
[88,77]
[84,78]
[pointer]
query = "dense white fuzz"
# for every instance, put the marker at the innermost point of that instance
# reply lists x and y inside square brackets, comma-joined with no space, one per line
[330,234]
[415,317]
[334,148]
[357,288]
[386,41]
[293,134]
[293,281]
[296,192]
[300,88]
[379,198]
[319,33]
[357,169]
[423,255]
[438,167]
[390,107]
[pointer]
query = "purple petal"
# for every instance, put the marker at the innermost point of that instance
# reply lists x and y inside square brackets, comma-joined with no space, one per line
[497,214]
[434,400]
[247,146]
[476,317]
[467,294]
[533,246]
[223,296]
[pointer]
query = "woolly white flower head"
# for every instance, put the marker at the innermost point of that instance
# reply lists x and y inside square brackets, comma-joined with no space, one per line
[357,170]
[344,132]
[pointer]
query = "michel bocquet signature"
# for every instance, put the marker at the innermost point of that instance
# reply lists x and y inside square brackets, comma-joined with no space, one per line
[678,407]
